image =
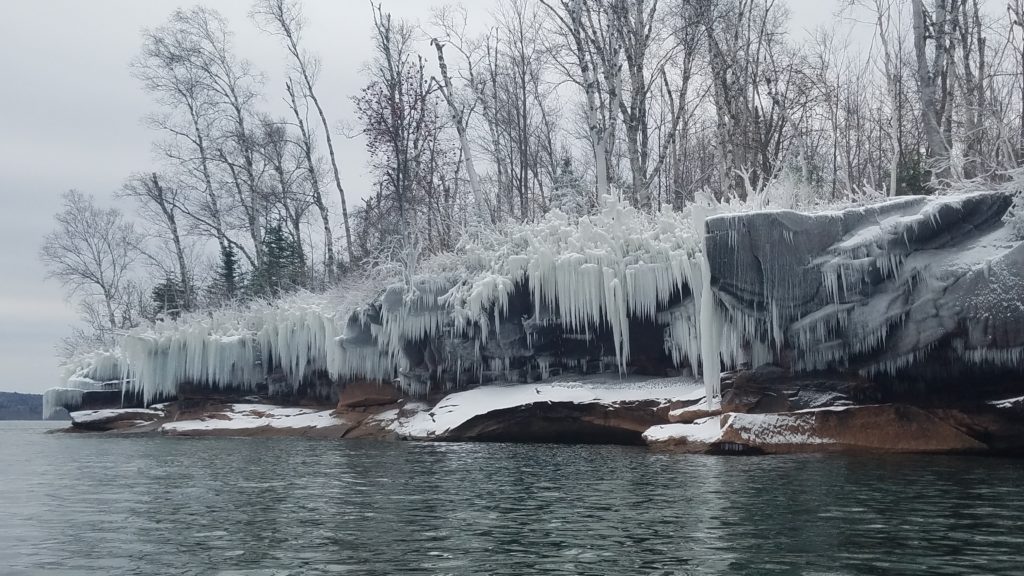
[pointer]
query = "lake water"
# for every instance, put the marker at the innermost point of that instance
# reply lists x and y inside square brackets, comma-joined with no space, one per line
[80,504]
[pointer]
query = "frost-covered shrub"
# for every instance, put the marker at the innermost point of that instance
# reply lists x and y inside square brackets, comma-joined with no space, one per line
[1015,217]
[1012,181]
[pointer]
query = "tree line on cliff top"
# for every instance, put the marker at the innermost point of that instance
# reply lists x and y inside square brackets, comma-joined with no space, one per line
[554,104]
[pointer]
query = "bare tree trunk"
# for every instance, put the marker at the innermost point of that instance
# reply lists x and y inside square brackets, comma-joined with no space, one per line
[926,83]
[179,252]
[211,194]
[336,173]
[314,183]
[575,26]
[460,126]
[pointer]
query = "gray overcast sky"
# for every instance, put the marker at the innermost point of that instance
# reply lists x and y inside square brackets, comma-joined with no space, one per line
[70,117]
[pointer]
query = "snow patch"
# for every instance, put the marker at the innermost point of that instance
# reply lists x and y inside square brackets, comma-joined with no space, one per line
[703,431]
[252,416]
[457,409]
[90,416]
[1009,403]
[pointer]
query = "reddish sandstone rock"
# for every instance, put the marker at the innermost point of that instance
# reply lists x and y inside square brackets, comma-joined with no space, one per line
[883,428]
[363,393]
[561,422]
[692,413]
[889,428]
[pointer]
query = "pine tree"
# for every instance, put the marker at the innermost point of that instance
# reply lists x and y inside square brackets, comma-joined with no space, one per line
[169,298]
[283,267]
[569,194]
[227,280]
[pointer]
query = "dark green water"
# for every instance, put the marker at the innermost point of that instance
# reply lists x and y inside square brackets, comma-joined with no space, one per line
[76,504]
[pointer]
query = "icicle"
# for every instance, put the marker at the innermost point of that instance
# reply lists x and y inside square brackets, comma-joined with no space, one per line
[710,329]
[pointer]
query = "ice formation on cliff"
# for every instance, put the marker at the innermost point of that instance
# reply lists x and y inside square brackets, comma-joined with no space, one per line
[595,275]
[93,371]
[874,288]
[240,348]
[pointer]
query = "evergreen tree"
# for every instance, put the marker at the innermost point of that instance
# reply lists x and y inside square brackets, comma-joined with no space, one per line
[283,266]
[569,194]
[227,280]
[169,298]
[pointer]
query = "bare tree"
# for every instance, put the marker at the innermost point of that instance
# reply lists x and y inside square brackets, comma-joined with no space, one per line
[584,38]
[286,191]
[159,204]
[284,18]
[91,252]
[235,88]
[932,77]
[480,215]
[307,147]
[399,113]
[167,70]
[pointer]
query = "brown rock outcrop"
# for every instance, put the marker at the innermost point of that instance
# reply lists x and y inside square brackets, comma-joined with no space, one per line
[892,428]
[364,393]
[117,419]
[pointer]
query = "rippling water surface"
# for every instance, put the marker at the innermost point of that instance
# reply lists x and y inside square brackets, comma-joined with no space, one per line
[80,504]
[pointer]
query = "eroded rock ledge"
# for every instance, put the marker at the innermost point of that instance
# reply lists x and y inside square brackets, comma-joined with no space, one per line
[761,413]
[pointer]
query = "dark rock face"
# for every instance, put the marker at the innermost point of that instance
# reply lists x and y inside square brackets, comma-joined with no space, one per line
[926,288]
[101,399]
[562,423]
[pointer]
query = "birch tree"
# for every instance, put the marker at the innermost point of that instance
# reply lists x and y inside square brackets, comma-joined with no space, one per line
[235,88]
[480,216]
[600,112]
[167,71]
[307,147]
[284,18]
[160,204]
[932,77]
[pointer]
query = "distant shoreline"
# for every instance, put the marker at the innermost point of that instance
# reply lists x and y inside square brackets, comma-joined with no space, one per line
[23,406]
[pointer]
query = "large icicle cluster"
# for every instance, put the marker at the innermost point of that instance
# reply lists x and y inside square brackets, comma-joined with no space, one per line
[461,318]
[279,344]
[94,371]
[588,278]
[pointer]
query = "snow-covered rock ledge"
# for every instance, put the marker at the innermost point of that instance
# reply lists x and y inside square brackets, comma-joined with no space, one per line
[214,419]
[668,414]
[880,428]
[596,410]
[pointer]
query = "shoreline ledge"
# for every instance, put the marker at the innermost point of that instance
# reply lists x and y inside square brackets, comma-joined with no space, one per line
[666,414]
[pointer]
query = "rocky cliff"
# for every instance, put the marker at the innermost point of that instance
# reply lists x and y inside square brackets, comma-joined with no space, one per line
[917,301]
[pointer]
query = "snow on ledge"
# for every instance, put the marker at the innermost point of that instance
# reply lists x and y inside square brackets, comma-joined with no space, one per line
[1009,403]
[458,408]
[794,428]
[703,431]
[251,416]
[91,416]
